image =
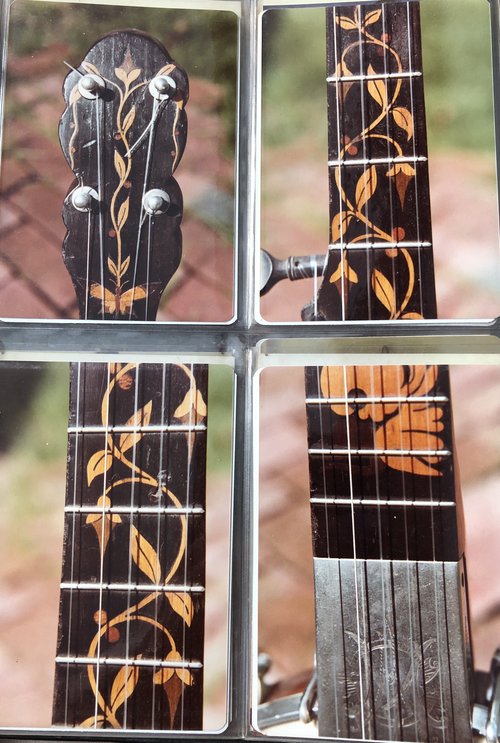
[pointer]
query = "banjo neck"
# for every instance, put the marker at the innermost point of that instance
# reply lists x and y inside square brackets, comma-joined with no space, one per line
[131,620]
[393,657]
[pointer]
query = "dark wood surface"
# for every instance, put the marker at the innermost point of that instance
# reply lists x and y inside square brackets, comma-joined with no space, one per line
[121,259]
[380,266]
[133,570]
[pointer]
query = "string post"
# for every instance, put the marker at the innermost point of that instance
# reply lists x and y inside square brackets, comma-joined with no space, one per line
[293,268]
[162,87]
[91,86]
[156,201]
[84,199]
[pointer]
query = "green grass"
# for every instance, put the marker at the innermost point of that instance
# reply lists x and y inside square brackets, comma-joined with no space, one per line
[42,436]
[294,92]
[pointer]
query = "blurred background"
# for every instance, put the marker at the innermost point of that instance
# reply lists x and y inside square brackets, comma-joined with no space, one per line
[34,284]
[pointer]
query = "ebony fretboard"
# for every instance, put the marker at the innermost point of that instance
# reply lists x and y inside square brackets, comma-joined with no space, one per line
[130,643]
[391,445]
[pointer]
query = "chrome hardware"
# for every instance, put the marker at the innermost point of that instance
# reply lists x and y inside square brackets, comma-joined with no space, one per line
[91,86]
[264,663]
[293,708]
[162,87]
[273,269]
[279,712]
[308,708]
[84,199]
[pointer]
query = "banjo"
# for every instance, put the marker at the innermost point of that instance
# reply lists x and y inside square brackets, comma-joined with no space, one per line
[393,655]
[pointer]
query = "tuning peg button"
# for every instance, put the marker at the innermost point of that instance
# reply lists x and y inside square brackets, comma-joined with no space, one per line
[84,199]
[162,87]
[156,201]
[91,86]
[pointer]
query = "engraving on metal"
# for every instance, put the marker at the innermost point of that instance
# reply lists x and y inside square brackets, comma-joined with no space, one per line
[391,651]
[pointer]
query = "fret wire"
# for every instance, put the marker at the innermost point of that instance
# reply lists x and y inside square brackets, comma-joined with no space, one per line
[149,587]
[378,160]
[155,510]
[375,502]
[340,400]
[384,452]
[365,245]
[377,76]
[181,428]
[127,662]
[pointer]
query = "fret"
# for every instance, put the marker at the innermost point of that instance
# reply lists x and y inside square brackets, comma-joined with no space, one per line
[152,379]
[379,400]
[359,245]
[378,76]
[350,162]
[70,660]
[382,452]
[170,541]
[174,428]
[377,503]
[147,587]
[153,510]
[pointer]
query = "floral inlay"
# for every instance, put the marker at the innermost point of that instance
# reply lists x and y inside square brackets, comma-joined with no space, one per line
[397,425]
[141,552]
[120,300]
[389,111]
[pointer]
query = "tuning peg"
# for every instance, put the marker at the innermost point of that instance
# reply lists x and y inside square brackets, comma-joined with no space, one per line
[156,201]
[84,199]
[162,87]
[91,86]
[293,268]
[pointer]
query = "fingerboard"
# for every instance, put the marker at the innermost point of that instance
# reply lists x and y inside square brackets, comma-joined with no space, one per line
[131,621]
[384,498]
[130,643]
[380,260]
[379,435]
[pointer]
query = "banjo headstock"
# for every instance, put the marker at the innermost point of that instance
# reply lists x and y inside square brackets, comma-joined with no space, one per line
[123,134]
